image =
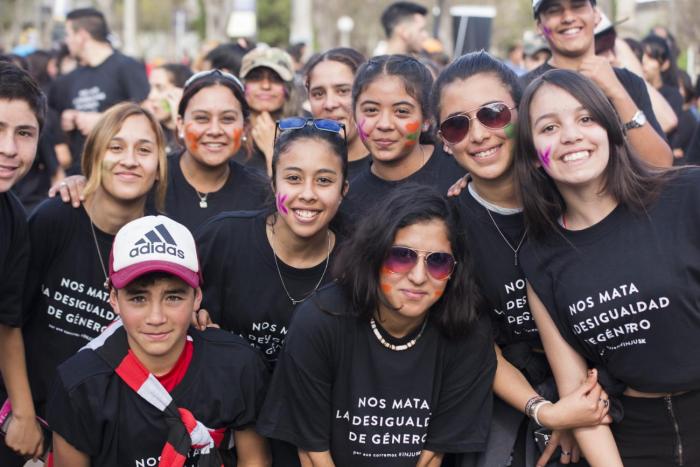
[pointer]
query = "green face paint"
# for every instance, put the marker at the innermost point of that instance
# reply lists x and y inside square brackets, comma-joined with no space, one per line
[510,130]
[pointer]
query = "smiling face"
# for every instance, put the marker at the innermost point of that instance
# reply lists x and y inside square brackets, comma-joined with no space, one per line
[308,186]
[130,162]
[19,136]
[572,148]
[264,90]
[212,126]
[156,317]
[568,26]
[487,154]
[330,94]
[389,120]
[413,293]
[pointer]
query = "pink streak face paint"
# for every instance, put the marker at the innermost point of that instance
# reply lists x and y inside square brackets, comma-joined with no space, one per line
[361,130]
[280,203]
[544,156]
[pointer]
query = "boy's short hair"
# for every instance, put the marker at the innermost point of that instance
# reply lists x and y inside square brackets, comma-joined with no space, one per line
[91,20]
[398,12]
[17,84]
[153,244]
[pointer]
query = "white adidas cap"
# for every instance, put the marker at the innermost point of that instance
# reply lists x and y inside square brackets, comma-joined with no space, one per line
[153,243]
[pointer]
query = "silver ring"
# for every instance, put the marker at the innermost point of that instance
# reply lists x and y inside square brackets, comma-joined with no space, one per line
[606,403]
[566,453]
[62,184]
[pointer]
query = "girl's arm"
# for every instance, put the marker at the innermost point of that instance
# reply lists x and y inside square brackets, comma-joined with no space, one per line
[251,449]
[315,459]
[65,455]
[570,371]
[429,459]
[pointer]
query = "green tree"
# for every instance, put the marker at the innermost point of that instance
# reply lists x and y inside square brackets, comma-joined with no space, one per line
[273,21]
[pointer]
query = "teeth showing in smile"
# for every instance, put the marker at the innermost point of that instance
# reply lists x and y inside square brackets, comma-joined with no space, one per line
[214,145]
[571,32]
[487,153]
[305,214]
[575,156]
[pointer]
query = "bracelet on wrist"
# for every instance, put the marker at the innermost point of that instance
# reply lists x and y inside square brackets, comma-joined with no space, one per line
[531,404]
[537,408]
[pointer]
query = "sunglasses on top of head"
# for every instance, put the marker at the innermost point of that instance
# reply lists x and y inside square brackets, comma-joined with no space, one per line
[297,123]
[495,116]
[402,259]
[215,72]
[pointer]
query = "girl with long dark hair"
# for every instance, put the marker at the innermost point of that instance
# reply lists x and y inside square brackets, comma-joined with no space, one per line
[391,365]
[476,99]
[611,264]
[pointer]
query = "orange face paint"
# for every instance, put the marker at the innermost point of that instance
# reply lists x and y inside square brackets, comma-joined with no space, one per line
[413,133]
[236,138]
[192,138]
[438,293]
[386,288]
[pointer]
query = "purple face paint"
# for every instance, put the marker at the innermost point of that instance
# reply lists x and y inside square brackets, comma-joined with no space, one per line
[547,32]
[544,156]
[280,203]
[361,130]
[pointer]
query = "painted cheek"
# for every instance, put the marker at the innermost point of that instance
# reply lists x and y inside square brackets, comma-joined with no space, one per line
[192,137]
[108,164]
[386,288]
[544,156]
[361,130]
[438,293]
[510,130]
[413,133]
[236,138]
[546,31]
[280,203]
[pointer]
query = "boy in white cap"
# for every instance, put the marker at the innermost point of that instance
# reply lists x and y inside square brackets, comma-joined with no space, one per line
[151,390]
[568,26]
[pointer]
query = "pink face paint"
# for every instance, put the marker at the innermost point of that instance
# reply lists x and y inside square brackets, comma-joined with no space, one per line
[280,203]
[361,130]
[544,156]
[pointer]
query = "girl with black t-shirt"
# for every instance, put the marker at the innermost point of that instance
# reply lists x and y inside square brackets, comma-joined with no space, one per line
[329,78]
[261,264]
[391,102]
[391,365]
[204,180]
[611,263]
[476,98]
[66,298]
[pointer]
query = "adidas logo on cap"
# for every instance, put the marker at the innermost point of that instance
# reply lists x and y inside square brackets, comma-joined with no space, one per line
[151,244]
[157,240]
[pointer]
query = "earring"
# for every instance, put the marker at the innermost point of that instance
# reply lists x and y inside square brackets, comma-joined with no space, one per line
[244,138]
[181,135]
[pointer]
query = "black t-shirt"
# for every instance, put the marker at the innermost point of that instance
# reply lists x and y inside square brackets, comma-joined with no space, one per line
[687,123]
[358,166]
[337,388]
[66,304]
[244,189]
[624,292]
[242,288]
[253,158]
[95,89]
[97,413]
[14,258]
[502,282]
[633,84]
[366,189]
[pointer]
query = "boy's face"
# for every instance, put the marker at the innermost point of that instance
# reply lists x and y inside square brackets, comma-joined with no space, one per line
[156,317]
[568,26]
[19,135]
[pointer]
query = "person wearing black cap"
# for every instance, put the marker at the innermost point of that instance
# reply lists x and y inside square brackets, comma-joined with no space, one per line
[568,26]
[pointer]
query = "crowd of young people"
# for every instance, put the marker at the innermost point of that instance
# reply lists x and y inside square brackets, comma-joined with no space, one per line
[353,298]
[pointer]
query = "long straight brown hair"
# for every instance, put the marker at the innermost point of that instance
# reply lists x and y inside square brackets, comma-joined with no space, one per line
[628,179]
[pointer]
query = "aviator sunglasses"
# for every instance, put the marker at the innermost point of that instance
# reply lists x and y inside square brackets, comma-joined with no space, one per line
[495,115]
[401,259]
[323,124]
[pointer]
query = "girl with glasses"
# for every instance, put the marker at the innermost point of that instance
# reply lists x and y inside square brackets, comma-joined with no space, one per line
[203,179]
[611,263]
[476,102]
[329,78]
[262,264]
[391,101]
[66,294]
[384,367]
